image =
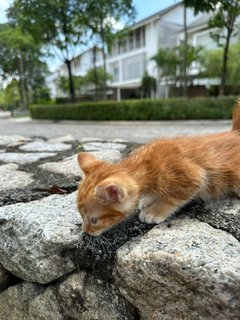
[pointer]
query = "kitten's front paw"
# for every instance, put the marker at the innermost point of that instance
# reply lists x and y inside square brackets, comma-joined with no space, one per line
[150,218]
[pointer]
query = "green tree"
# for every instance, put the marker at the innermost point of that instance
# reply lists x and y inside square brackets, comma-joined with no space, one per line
[85,83]
[212,62]
[57,23]
[167,62]
[102,17]
[63,84]
[20,59]
[170,62]
[148,85]
[11,94]
[224,24]
[90,78]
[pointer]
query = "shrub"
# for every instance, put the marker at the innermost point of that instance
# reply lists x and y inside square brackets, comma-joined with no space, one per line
[160,109]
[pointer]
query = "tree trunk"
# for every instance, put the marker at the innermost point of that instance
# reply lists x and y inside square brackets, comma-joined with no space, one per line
[185,76]
[104,62]
[95,71]
[70,78]
[105,74]
[23,94]
[224,66]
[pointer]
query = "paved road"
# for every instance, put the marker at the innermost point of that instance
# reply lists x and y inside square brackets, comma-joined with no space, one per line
[132,131]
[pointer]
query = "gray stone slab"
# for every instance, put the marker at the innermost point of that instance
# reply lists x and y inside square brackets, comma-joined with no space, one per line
[37,238]
[182,270]
[89,139]
[24,158]
[98,146]
[12,178]
[42,146]
[70,167]
[67,138]
[10,139]
[67,166]
[80,296]
[223,214]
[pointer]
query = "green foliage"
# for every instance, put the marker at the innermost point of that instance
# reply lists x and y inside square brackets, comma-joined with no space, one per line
[170,61]
[212,64]
[63,84]
[225,25]
[161,109]
[55,22]
[11,94]
[148,85]
[167,62]
[59,23]
[20,58]
[224,21]
[202,5]
[96,77]
[102,16]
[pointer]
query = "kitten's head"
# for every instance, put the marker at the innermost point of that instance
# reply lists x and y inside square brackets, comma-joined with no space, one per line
[106,195]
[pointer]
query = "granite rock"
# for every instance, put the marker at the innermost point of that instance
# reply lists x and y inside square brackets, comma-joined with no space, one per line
[98,146]
[37,238]
[223,214]
[186,270]
[24,158]
[6,140]
[42,146]
[12,178]
[67,138]
[69,166]
[79,297]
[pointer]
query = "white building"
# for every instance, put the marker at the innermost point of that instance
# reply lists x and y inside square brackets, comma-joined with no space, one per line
[131,57]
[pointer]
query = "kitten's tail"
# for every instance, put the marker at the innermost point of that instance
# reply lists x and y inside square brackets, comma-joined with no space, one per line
[236,116]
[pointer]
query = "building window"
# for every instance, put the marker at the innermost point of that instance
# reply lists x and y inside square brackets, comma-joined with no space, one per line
[134,40]
[134,67]
[114,71]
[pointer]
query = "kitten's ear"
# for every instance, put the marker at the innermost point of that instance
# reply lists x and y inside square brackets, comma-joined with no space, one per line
[85,161]
[109,193]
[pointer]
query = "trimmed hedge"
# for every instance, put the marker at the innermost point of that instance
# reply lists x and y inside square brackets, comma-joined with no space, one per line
[160,109]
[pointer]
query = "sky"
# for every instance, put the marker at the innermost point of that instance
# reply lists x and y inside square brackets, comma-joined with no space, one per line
[147,7]
[144,9]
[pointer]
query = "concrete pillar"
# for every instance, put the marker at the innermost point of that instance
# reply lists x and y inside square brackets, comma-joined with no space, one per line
[118,94]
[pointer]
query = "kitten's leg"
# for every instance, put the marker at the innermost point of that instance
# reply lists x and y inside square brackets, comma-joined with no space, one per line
[191,181]
[147,201]
[160,210]
[144,203]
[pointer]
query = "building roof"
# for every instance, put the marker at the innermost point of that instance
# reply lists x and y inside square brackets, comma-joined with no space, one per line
[156,15]
[201,21]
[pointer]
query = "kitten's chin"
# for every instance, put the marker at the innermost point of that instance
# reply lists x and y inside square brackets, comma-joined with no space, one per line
[95,234]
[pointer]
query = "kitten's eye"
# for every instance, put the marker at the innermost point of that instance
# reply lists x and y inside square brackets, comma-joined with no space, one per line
[93,220]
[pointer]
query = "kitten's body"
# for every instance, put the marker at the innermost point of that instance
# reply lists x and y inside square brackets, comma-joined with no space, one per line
[161,176]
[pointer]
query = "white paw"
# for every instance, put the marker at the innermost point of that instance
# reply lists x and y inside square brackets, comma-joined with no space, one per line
[148,218]
[158,220]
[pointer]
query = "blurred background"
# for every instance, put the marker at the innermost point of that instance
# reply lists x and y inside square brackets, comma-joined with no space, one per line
[68,51]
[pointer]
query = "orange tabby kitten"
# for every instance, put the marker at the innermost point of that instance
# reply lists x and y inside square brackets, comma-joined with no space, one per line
[161,177]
